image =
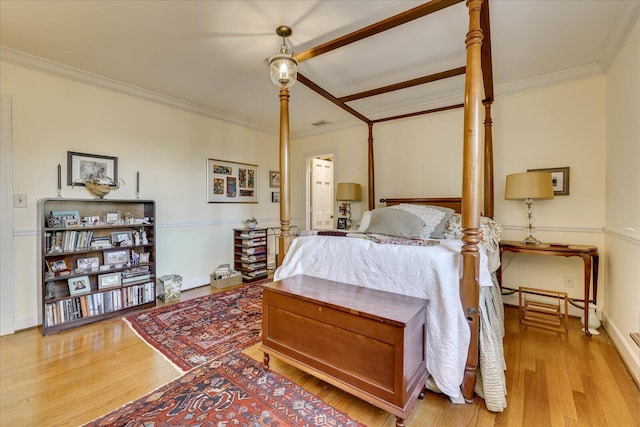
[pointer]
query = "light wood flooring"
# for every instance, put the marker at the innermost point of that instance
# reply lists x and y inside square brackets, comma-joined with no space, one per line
[553,379]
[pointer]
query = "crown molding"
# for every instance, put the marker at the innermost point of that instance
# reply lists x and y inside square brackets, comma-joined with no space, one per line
[57,69]
[628,15]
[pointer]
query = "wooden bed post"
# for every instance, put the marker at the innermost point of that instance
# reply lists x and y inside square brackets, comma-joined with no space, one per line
[285,194]
[372,179]
[472,155]
[488,160]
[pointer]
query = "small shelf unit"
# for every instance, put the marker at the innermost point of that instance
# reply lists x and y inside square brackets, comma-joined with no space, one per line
[250,253]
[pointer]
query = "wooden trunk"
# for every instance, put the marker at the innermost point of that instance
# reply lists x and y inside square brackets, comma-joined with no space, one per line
[367,342]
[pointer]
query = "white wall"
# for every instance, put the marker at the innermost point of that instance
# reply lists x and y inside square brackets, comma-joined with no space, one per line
[553,126]
[169,147]
[622,311]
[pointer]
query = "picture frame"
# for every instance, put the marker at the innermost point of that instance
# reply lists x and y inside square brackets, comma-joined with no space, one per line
[275,196]
[88,264]
[118,238]
[112,217]
[116,257]
[274,179]
[83,166]
[79,285]
[110,280]
[144,258]
[57,265]
[231,182]
[342,223]
[560,179]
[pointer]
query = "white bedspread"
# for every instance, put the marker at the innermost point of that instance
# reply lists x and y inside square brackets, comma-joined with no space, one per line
[431,272]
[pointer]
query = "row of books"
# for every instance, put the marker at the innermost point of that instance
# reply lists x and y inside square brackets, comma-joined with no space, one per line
[79,307]
[254,274]
[254,242]
[69,241]
[252,234]
[254,251]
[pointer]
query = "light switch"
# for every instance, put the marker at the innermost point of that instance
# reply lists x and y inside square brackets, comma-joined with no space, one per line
[19,200]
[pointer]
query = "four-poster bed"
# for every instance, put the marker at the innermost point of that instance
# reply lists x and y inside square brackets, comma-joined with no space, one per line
[477,180]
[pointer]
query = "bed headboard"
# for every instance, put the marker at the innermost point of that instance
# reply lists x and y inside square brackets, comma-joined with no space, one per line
[454,203]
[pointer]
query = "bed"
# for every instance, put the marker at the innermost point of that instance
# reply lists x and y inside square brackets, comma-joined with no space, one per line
[474,291]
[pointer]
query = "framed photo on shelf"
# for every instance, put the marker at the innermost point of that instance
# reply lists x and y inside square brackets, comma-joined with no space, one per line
[118,238]
[231,182]
[88,264]
[112,217]
[342,223]
[111,280]
[274,179]
[275,196]
[144,258]
[57,265]
[559,178]
[116,257]
[83,166]
[79,285]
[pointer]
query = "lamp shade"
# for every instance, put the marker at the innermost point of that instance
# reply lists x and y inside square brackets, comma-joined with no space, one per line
[284,69]
[529,185]
[349,191]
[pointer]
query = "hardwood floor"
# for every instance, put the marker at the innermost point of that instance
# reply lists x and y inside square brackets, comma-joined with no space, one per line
[553,379]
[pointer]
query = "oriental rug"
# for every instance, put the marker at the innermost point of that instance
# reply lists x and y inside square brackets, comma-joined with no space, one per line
[233,390]
[196,331]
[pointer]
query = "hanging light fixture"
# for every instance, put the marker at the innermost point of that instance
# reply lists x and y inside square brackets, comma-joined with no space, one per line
[284,68]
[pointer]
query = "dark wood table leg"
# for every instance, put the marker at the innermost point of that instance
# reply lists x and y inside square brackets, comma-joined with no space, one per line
[587,286]
[399,422]
[596,261]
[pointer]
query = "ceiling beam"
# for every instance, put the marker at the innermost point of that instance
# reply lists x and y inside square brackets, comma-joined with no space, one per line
[314,87]
[418,113]
[378,27]
[403,85]
[485,51]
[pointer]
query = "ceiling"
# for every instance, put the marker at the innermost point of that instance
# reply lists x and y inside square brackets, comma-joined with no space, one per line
[210,56]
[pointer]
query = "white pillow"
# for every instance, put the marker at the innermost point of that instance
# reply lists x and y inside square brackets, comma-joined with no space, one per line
[365,221]
[431,216]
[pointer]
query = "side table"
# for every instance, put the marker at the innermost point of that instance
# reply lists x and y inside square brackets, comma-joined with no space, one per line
[588,253]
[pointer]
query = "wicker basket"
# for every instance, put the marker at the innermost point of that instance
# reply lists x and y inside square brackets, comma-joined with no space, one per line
[226,282]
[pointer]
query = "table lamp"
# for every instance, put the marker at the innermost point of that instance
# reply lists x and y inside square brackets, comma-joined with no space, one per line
[529,186]
[348,192]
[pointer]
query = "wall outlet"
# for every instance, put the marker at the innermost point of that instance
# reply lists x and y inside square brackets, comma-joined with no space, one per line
[568,281]
[19,200]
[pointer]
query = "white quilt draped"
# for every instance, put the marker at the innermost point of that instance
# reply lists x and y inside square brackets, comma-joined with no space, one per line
[429,272]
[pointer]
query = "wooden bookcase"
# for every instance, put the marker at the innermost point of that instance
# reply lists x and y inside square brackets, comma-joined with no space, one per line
[250,253]
[97,260]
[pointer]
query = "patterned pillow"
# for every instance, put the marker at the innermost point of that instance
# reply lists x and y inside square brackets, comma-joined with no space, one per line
[434,218]
[491,231]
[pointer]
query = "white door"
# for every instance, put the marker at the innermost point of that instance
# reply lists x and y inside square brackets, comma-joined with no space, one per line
[321,194]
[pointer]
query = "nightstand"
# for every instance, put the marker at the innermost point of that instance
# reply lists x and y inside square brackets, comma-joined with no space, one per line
[588,253]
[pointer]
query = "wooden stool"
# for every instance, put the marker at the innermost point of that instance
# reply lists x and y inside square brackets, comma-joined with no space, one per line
[542,314]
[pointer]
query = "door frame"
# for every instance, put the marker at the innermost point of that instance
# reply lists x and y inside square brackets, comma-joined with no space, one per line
[7,291]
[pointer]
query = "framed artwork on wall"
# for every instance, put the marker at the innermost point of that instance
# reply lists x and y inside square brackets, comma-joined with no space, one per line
[559,178]
[231,182]
[274,179]
[83,166]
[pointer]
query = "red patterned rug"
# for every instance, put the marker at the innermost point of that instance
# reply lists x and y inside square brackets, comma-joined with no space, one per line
[233,390]
[193,332]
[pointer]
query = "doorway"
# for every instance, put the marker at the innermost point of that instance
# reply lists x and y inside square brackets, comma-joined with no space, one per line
[320,192]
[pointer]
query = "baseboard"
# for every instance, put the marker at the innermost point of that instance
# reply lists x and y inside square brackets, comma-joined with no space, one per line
[625,349]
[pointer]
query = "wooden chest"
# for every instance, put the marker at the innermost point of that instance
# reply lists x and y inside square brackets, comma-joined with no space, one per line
[367,342]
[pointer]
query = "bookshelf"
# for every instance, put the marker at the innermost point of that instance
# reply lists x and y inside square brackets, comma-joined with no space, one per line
[250,253]
[97,260]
